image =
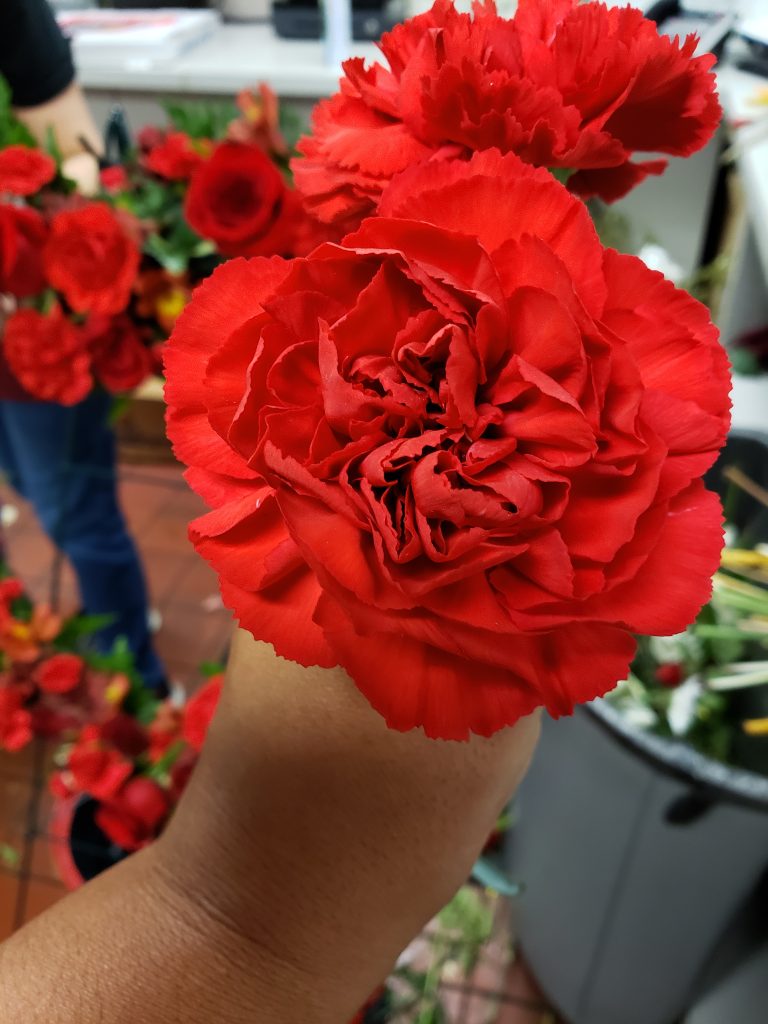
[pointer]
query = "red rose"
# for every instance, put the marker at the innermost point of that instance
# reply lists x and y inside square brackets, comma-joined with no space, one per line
[121,360]
[22,236]
[199,712]
[125,734]
[60,673]
[459,454]
[91,259]
[239,200]
[48,355]
[97,768]
[134,816]
[562,84]
[15,720]
[177,156]
[149,137]
[24,171]
[114,179]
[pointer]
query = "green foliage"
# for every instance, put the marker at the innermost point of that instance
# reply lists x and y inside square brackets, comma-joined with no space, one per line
[80,628]
[12,131]
[201,120]
[140,701]
[211,668]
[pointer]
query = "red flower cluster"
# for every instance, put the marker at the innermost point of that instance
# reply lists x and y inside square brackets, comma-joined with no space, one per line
[24,171]
[136,772]
[176,156]
[467,441]
[577,86]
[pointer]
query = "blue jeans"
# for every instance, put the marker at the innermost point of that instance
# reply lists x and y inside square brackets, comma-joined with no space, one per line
[62,460]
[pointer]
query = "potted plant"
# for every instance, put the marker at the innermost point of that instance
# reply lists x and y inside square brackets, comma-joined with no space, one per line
[643,830]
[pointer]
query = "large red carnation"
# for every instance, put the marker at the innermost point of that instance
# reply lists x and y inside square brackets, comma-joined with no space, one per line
[238,200]
[48,355]
[91,258]
[121,360]
[24,171]
[459,454]
[22,237]
[564,85]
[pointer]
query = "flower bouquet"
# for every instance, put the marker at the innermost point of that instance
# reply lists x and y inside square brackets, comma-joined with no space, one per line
[119,777]
[94,285]
[50,682]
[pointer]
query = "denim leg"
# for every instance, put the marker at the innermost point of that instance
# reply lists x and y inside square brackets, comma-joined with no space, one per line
[62,459]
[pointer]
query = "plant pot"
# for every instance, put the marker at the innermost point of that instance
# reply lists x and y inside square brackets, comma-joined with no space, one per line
[79,848]
[636,854]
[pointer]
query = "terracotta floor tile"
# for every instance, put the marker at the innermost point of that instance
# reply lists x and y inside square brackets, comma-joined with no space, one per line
[9,887]
[40,896]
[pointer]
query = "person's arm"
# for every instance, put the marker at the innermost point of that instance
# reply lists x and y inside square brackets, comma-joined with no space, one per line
[312,844]
[36,62]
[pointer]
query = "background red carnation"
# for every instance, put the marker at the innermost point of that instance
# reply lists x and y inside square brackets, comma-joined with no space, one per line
[579,87]
[22,236]
[48,355]
[91,258]
[120,359]
[24,171]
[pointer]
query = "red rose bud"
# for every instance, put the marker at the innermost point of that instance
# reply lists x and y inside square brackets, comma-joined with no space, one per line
[113,179]
[125,734]
[60,673]
[669,675]
[135,815]
[97,769]
[91,258]
[24,171]
[563,84]
[239,200]
[467,440]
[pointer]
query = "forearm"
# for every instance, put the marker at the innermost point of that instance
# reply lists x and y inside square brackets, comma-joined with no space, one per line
[77,136]
[312,845]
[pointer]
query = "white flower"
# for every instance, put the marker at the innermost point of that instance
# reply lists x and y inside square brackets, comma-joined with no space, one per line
[682,707]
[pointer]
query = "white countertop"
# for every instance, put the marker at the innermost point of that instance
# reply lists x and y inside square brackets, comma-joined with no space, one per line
[235,56]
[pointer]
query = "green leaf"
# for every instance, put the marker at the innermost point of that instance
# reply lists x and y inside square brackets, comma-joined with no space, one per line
[211,668]
[160,768]
[76,629]
[562,174]
[207,120]
[10,857]
[118,408]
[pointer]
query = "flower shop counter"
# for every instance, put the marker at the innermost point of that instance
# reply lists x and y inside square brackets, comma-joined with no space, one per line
[233,57]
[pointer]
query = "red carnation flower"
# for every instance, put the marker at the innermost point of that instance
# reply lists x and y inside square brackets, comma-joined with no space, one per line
[15,720]
[97,768]
[239,200]
[91,259]
[199,712]
[121,360]
[114,179]
[177,156]
[562,84]
[458,454]
[134,816]
[22,236]
[48,355]
[24,171]
[61,673]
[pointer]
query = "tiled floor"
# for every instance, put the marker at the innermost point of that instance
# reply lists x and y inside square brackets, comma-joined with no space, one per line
[195,628]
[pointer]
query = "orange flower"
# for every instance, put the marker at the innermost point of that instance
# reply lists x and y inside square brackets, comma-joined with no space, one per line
[260,121]
[162,296]
[22,641]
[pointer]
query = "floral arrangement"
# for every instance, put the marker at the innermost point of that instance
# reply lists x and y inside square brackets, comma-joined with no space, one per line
[708,685]
[468,439]
[49,682]
[136,765]
[96,283]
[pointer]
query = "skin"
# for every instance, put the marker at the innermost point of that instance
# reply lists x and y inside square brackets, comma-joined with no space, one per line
[310,847]
[69,116]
